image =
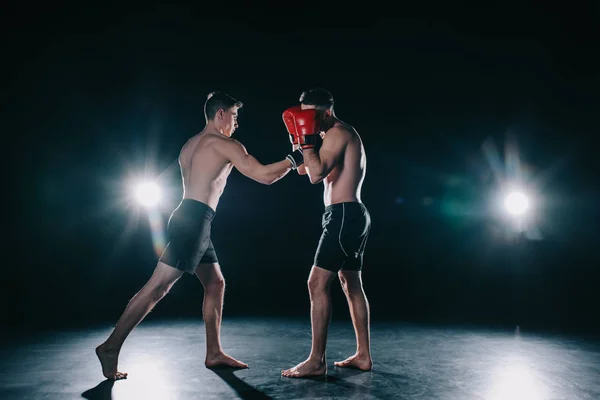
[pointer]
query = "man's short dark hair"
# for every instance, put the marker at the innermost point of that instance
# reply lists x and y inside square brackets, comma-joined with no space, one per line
[216,101]
[318,97]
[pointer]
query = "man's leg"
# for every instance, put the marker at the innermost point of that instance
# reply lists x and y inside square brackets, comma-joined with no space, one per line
[351,282]
[212,310]
[139,306]
[319,285]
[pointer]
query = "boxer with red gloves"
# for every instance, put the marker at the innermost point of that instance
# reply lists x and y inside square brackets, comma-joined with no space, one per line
[333,153]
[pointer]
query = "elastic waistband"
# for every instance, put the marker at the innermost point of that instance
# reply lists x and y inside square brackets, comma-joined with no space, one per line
[197,206]
[337,206]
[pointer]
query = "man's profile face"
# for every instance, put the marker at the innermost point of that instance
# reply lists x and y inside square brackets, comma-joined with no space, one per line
[228,120]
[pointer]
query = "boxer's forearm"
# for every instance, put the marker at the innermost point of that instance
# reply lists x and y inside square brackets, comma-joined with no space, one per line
[301,169]
[314,166]
[265,174]
[271,173]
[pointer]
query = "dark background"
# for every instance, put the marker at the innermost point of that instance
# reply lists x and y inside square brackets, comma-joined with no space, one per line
[95,98]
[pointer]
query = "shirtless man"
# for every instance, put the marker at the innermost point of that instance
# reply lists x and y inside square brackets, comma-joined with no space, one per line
[336,157]
[205,161]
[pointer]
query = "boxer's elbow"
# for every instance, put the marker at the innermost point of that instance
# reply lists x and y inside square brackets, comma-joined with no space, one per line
[315,178]
[316,173]
[270,180]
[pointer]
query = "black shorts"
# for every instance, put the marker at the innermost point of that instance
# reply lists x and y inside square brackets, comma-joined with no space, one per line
[346,227]
[189,236]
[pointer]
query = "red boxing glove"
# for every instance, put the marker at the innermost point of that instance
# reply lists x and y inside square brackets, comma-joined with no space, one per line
[303,126]
[290,123]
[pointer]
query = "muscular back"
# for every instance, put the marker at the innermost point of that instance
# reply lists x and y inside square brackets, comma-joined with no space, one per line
[344,182]
[204,169]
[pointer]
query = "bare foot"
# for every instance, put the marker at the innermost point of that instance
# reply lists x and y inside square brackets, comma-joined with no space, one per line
[109,359]
[223,360]
[364,363]
[306,369]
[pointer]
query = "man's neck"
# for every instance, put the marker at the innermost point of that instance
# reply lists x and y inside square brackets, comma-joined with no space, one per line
[333,122]
[211,128]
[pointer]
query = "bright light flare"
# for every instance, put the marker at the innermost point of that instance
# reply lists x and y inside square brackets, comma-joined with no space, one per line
[516,203]
[148,194]
[515,381]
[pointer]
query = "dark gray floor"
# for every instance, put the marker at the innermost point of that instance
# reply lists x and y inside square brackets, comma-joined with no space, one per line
[165,361]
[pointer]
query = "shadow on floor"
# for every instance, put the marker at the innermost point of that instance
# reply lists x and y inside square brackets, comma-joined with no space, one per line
[103,391]
[244,390]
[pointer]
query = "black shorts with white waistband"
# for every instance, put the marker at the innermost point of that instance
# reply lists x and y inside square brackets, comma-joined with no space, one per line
[346,228]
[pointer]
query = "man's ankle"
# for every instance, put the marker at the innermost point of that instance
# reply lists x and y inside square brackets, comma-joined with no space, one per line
[363,353]
[316,359]
[212,353]
[110,347]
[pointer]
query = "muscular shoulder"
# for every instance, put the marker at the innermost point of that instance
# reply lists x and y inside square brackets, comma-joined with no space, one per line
[234,142]
[230,144]
[342,133]
[200,143]
[230,148]
[216,141]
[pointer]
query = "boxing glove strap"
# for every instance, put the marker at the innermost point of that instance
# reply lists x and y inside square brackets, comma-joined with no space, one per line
[311,141]
[296,158]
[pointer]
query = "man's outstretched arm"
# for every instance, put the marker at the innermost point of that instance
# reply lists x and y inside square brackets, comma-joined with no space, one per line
[249,166]
[319,163]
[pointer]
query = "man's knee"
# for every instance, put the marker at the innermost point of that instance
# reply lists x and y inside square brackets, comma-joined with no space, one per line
[313,284]
[351,282]
[320,281]
[216,284]
[162,280]
[211,277]
[344,283]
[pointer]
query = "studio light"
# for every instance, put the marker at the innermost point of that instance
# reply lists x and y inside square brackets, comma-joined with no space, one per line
[148,194]
[516,203]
